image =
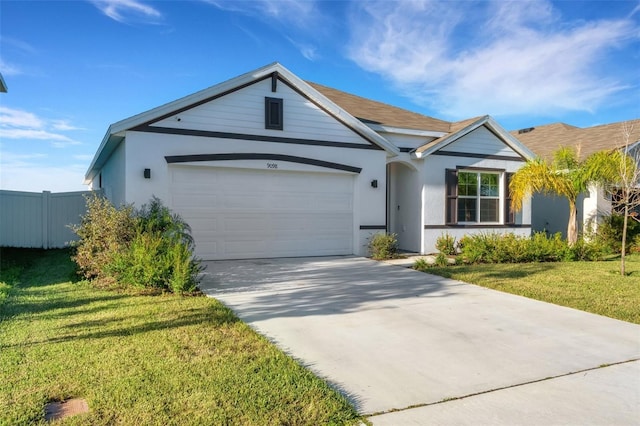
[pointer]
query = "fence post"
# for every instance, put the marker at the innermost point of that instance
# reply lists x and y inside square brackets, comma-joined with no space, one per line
[46,197]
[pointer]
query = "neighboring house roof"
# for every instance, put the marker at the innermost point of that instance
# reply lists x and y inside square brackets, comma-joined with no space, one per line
[544,140]
[3,85]
[116,132]
[464,127]
[373,112]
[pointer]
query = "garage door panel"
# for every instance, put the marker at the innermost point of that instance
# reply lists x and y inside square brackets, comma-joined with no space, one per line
[245,213]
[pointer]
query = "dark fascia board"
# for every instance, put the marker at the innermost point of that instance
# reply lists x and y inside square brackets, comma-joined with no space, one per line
[472,155]
[249,137]
[175,159]
[475,226]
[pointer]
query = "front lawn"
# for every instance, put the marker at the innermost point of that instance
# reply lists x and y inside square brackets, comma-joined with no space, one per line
[594,287]
[152,360]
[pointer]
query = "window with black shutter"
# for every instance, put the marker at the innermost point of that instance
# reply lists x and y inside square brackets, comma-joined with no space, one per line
[476,196]
[509,213]
[273,114]
[451,180]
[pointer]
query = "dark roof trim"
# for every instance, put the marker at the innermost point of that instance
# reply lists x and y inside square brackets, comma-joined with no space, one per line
[483,156]
[336,117]
[247,137]
[173,159]
[204,101]
[476,226]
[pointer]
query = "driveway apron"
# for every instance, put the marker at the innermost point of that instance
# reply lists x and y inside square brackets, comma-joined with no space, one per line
[413,348]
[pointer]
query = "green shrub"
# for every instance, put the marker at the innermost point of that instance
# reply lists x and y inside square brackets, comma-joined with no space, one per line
[154,248]
[609,233]
[441,260]
[446,244]
[383,246]
[511,248]
[589,250]
[104,232]
[635,245]
[421,264]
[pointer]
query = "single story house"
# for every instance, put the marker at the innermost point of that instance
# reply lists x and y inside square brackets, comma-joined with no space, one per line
[268,165]
[551,213]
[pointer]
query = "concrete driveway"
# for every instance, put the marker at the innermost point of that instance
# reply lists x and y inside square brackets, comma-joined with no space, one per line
[411,348]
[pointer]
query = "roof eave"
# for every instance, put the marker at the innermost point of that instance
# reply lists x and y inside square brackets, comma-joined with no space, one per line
[487,120]
[338,112]
[405,131]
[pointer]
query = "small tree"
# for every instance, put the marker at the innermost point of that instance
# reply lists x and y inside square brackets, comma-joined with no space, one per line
[565,176]
[622,172]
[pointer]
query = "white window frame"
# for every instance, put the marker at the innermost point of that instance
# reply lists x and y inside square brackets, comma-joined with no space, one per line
[478,197]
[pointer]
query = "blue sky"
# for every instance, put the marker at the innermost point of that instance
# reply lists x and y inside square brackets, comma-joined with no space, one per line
[74,67]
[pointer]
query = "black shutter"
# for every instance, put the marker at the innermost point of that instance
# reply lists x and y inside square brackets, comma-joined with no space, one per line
[451,205]
[509,213]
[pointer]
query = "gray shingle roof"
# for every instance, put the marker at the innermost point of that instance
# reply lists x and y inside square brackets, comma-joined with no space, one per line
[370,111]
[544,140]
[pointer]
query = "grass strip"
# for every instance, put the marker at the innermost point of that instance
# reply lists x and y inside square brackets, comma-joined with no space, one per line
[595,287]
[153,360]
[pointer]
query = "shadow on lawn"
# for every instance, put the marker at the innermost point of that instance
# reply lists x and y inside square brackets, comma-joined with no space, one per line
[45,293]
[118,325]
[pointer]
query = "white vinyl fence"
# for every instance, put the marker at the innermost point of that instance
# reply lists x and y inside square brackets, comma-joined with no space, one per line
[39,220]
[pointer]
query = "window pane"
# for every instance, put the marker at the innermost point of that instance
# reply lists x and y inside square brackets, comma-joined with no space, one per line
[467,210]
[274,113]
[489,210]
[489,186]
[467,184]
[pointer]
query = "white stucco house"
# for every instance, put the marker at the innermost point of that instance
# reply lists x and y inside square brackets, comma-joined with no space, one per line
[268,165]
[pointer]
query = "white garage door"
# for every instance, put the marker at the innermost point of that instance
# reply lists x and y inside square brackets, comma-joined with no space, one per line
[246,213]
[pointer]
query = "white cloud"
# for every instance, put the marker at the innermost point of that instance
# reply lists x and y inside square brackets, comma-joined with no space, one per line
[38,178]
[125,11]
[298,20]
[500,58]
[292,12]
[18,118]
[35,172]
[9,70]
[63,125]
[23,125]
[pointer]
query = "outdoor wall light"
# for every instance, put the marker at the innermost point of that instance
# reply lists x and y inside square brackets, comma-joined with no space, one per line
[374,183]
[147,173]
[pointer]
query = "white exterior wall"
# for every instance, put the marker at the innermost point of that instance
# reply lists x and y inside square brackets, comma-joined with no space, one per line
[147,150]
[434,198]
[480,141]
[113,177]
[594,208]
[243,112]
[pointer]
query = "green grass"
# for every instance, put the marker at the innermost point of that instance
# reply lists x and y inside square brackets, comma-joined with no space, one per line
[595,287]
[164,360]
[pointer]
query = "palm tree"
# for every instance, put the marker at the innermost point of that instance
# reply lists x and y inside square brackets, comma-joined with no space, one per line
[565,176]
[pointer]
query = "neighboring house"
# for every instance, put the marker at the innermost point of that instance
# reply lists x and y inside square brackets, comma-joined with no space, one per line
[551,213]
[268,165]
